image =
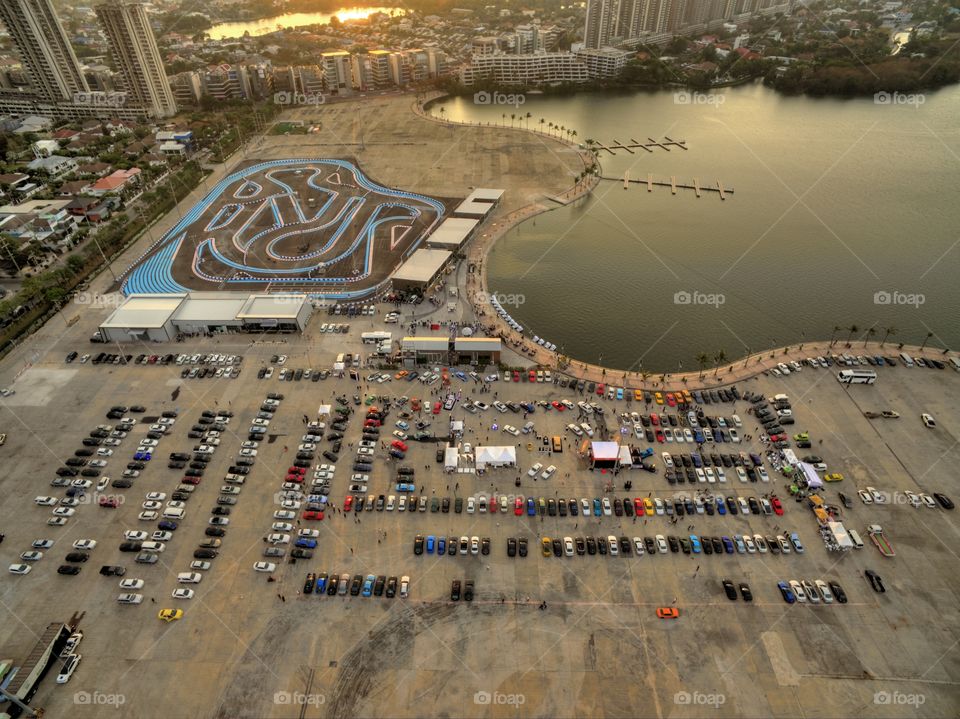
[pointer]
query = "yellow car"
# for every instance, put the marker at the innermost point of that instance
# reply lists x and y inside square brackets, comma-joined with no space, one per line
[546,546]
[687,397]
[638,395]
[648,506]
[170,615]
[835,477]
[659,397]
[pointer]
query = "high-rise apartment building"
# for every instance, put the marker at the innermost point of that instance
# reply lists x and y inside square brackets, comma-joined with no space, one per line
[44,49]
[136,56]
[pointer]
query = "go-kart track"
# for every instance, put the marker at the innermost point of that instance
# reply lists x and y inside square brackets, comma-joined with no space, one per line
[308,225]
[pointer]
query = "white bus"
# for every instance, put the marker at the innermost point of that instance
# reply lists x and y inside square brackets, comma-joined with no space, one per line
[369,338]
[857,376]
[906,359]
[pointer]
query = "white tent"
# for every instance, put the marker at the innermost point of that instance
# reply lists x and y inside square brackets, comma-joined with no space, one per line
[625,459]
[840,534]
[323,409]
[813,479]
[496,457]
[451,457]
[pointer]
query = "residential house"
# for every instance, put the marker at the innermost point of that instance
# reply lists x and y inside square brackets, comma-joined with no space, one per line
[17,186]
[71,189]
[54,166]
[116,182]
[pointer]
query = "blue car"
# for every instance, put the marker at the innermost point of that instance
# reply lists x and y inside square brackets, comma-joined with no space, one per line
[461,375]
[403,425]
[368,585]
[431,540]
[168,526]
[698,436]
[321,585]
[697,461]
[531,507]
[786,592]
[441,545]
[406,487]
[597,510]
[619,393]
[695,544]
[648,452]
[795,539]
[305,543]
[727,544]
[721,506]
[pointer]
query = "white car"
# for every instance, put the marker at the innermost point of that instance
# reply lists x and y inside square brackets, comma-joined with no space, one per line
[102,483]
[161,536]
[64,512]
[151,504]
[247,452]
[281,527]
[20,569]
[284,514]
[148,516]
[278,538]
[182,593]
[264,567]
[548,472]
[68,668]
[199,564]
[156,496]
[85,544]
[32,556]
[534,470]
[104,452]
[928,421]
[471,505]
[57,521]
[131,584]
[607,509]
[135,536]
[511,430]
[878,496]
[308,533]
[404,586]
[46,501]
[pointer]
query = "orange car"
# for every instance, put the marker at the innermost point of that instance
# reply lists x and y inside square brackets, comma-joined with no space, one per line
[668,612]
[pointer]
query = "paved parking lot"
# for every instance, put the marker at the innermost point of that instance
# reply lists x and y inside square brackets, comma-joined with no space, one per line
[597,649]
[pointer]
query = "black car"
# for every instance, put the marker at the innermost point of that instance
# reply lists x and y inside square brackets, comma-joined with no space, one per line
[707,545]
[651,546]
[875,581]
[522,546]
[455,591]
[330,456]
[355,584]
[68,569]
[66,472]
[557,548]
[204,553]
[299,553]
[378,585]
[674,544]
[602,545]
[511,547]
[468,590]
[418,544]
[944,500]
[845,500]
[130,546]
[108,570]
[729,590]
[485,545]
[732,506]
[332,585]
[685,545]
[838,592]
[625,548]
[215,532]
[717,545]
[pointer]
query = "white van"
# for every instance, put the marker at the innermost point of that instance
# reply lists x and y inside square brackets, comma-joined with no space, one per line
[906,359]
[855,538]
[189,578]
[173,513]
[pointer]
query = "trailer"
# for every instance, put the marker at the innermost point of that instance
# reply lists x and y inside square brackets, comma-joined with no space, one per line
[880,540]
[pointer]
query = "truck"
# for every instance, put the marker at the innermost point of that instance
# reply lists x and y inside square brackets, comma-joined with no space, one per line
[880,540]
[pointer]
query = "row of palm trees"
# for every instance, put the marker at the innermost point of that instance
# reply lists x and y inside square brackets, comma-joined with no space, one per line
[718,358]
[523,120]
[870,332]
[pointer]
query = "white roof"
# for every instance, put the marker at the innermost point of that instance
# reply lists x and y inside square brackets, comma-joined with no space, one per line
[452,232]
[144,311]
[422,266]
[605,450]
[451,456]
[496,455]
[485,194]
[476,344]
[472,208]
[211,307]
[425,343]
[272,307]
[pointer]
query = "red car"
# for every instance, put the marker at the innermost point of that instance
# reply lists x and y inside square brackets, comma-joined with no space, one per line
[557,406]
[654,419]
[532,376]
[436,407]
[297,470]
[660,437]
[348,503]
[601,389]
[516,376]
[295,478]
[671,400]
[371,422]
[111,502]
[397,444]
[518,506]
[191,480]
[777,507]
[313,515]
[415,404]
[638,503]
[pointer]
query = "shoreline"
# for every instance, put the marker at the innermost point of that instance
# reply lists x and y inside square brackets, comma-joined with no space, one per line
[529,353]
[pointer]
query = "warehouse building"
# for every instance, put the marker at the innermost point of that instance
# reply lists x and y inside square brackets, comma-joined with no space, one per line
[453,233]
[478,351]
[479,203]
[421,270]
[162,317]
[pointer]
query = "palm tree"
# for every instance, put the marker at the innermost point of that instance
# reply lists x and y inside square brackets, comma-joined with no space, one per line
[541,124]
[562,128]
[513,116]
[550,127]
[703,359]
[870,333]
[926,339]
[836,328]
[573,133]
[887,331]
[504,116]
[527,118]
[853,329]
[720,357]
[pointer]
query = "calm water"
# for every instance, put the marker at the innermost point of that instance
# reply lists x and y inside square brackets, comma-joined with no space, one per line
[835,201]
[299,19]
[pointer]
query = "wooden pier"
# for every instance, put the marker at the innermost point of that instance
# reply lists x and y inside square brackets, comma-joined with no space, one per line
[673,184]
[649,145]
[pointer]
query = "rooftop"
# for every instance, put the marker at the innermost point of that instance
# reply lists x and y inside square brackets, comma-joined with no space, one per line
[422,266]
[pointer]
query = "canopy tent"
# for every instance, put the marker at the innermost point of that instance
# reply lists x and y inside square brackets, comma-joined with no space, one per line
[625,459]
[323,409]
[810,474]
[451,458]
[496,457]
[840,535]
[604,454]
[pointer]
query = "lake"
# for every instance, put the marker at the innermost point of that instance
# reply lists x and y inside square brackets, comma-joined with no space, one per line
[299,19]
[845,213]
